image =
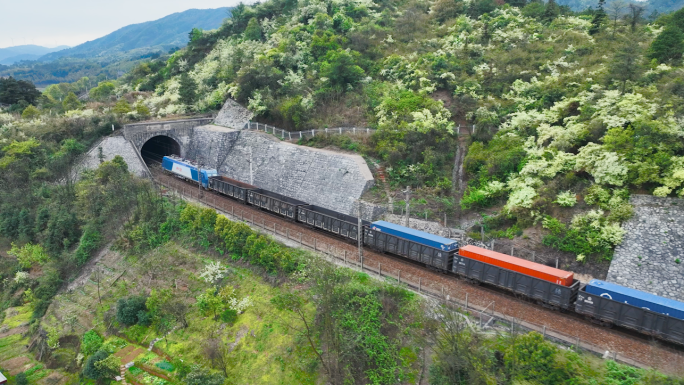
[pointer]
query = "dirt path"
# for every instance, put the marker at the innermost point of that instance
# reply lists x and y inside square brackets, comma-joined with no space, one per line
[639,348]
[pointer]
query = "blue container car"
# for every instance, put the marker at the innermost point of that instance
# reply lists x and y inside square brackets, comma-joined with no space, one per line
[636,298]
[432,250]
[618,305]
[187,170]
[417,236]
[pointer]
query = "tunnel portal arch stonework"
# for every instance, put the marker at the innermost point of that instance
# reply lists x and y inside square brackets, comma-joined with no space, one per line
[179,130]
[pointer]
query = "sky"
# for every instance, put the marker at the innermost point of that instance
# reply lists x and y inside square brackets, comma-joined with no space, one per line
[51,23]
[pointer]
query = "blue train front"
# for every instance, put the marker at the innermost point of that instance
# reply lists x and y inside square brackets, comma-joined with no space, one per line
[187,170]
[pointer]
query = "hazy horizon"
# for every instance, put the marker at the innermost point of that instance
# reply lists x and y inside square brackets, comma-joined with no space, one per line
[73,22]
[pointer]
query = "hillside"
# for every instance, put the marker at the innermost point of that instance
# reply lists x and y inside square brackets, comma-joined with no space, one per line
[158,35]
[11,55]
[568,108]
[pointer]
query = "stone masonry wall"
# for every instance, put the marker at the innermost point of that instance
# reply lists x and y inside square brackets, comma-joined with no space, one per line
[647,258]
[321,177]
[111,146]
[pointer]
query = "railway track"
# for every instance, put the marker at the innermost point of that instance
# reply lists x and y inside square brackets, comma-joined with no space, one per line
[624,345]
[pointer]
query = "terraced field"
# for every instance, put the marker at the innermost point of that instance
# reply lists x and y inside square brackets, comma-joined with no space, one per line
[14,354]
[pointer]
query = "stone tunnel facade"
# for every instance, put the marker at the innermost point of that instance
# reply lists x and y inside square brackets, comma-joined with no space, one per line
[321,177]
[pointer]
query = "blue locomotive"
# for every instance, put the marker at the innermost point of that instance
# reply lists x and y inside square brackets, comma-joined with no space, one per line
[188,170]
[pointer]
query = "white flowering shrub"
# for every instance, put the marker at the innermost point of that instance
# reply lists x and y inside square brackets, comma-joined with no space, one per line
[21,277]
[606,167]
[566,199]
[213,272]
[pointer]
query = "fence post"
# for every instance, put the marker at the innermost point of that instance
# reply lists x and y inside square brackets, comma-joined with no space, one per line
[274,229]
[466,306]
[482,231]
[340,130]
[380,269]
[345,257]
[399,276]
[533,259]
[314,244]
[290,135]
[300,238]
[313,133]
[544,331]
[512,249]
[287,233]
[420,284]
[556,263]
[300,134]
[355,130]
[442,291]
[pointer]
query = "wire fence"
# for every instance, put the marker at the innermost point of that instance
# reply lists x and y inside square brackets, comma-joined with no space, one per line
[483,313]
[290,135]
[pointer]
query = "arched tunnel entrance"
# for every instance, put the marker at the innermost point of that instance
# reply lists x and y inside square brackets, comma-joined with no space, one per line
[158,147]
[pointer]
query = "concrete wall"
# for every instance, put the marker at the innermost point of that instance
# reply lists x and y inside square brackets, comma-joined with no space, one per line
[325,178]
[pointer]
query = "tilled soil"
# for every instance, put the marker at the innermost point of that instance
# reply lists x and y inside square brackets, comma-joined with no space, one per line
[631,347]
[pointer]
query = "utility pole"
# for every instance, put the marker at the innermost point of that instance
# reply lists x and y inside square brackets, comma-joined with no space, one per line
[251,172]
[408,199]
[359,236]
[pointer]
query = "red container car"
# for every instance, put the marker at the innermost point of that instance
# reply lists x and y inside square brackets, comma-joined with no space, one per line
[537,270]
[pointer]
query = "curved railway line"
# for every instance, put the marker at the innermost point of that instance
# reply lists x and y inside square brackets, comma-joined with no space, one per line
[624,345]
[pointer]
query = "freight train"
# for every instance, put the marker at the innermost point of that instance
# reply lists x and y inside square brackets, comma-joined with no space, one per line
[602,302]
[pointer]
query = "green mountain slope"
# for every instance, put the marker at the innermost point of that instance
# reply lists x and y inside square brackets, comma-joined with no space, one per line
[167,32]
[568,123]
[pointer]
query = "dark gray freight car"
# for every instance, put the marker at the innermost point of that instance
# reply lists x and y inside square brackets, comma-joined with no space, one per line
[274,202]
[230,187]
[543,291]
[388,243]
[630,316]
[341,224]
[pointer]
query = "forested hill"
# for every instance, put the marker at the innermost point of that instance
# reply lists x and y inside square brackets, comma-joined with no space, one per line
[574,111]
[167,32]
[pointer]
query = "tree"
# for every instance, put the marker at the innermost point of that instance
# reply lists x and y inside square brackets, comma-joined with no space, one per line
[625,65]
[530,358]
[598,19]
[100,366]
[294,303]
[615,9]
[668,46]
[91,343]
[551,11]
[635,13]
[128,310]
[71,102]
[218,353]
[30,113]
[102,91]
[458,357]
[13,91]
[341,70]
[122,107]
[253,30]
[187,90]
[209,303]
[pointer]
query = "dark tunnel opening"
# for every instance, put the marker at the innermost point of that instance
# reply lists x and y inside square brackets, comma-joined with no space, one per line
[158,147]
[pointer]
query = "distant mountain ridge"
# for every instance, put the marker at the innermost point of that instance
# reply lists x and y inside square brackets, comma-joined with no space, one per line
[661,6]
[11,55]
[162,34]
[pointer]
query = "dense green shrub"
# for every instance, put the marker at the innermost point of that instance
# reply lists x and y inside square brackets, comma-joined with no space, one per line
[131,310]
[91,342]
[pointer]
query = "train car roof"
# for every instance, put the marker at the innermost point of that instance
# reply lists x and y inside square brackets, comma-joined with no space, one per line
[518,261]
[416,233]
[671,303]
